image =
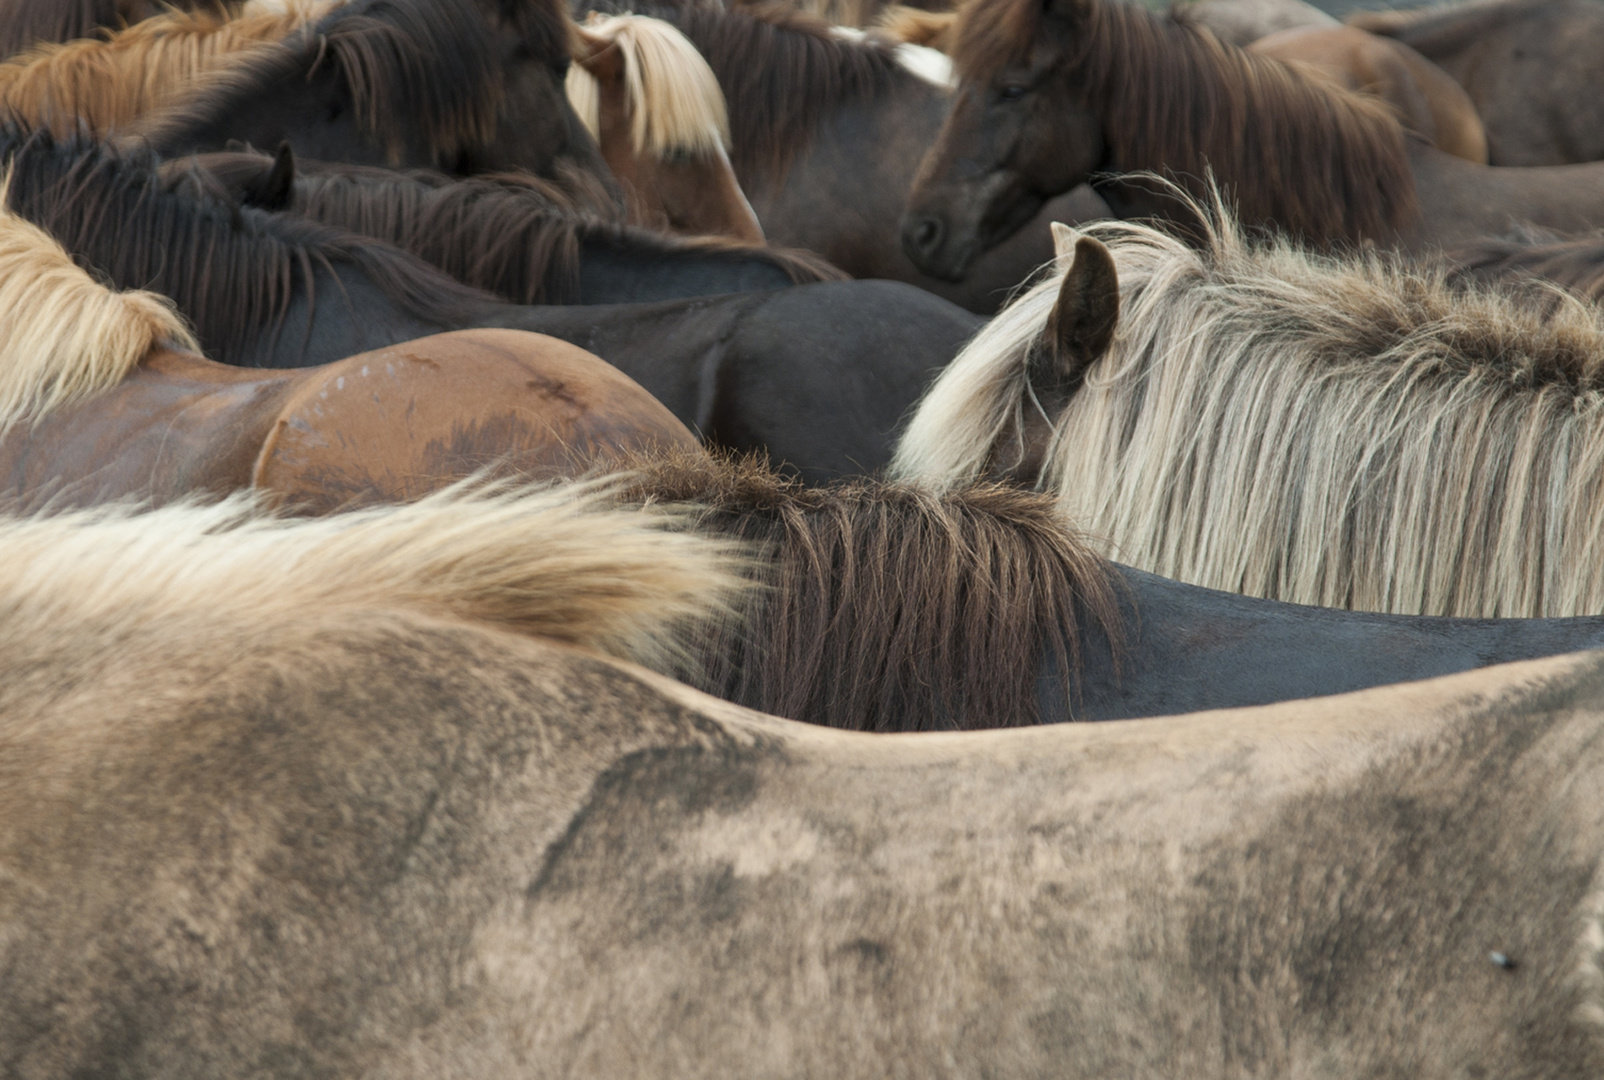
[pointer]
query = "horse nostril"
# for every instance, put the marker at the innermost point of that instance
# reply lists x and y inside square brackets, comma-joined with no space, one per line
[927,235]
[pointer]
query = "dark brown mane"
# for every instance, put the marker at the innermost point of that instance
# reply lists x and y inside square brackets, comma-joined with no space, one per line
[1576,264]
[891,608]
[233,272]
[1320,163]
[427,67]
[782,73]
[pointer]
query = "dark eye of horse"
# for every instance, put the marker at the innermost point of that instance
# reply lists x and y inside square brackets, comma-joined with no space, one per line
[1011,92]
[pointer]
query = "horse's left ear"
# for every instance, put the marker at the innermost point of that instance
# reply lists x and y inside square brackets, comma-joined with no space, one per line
[1081,326]
[274,189]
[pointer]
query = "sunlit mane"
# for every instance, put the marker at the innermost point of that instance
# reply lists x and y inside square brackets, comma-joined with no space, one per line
[556,564]
[1322,164]
[673,99]
[103,83]
[1345,432]
[63,335]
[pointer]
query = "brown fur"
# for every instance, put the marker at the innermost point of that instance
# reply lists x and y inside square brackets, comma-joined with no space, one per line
[1576,264]
[1318,162]
[782,73]
[915,26]
[887,607]
[24,23]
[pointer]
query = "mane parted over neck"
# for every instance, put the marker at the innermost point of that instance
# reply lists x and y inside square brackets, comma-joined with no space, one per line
[1318,163]
[888,607]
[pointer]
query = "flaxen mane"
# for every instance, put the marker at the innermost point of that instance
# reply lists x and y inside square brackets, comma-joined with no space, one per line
[671,94]
[232,271]
[782,75]
[887,607]
[63,335]
[1314,161]
[104,83]
[424,66]
[553,563]
[1345,432]
[499,233]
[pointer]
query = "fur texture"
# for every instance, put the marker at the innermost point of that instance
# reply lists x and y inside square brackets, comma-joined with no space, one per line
[63,335]
[1349,432]
[673,98]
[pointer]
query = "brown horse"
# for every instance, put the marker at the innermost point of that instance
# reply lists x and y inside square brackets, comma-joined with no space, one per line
[110,82]
[1530,66]
[655,109]
[1427,101]
[1577,264]
[369,795]
[101,397]
[1082,88]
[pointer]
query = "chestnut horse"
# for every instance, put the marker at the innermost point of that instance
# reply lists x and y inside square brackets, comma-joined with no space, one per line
[657,113]
[1053,95]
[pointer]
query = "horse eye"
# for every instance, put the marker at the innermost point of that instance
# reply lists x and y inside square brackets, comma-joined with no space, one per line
[1012,92]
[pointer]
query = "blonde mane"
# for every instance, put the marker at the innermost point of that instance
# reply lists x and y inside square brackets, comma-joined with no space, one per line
[563,563]
[104,83]
[674,100]
[63,335]
[1349,432]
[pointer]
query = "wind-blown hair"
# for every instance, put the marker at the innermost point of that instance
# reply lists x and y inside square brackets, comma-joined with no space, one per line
[672,96]
[1313,160]
[1349,432]
[63,335]
[232,271]
[887,607]
[104,83]
[556,563]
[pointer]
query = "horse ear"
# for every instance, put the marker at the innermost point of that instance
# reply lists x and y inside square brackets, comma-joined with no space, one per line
[1081,326]
[600,56]
[274,189]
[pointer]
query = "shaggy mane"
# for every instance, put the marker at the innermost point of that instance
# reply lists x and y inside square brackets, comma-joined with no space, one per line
[782,74]
[673,98]
[429,64]
[1348,432]
[151,64]
[550,563]
[882,603]
[232,271]
[1302,156]
[63,335]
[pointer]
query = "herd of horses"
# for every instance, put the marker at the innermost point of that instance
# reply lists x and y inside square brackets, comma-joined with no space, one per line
[516,517]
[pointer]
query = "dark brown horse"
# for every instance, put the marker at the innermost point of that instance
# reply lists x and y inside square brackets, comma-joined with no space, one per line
[826,135]
[430,83]
[1530,66]
[1080,88]
[384,426]
[511,234]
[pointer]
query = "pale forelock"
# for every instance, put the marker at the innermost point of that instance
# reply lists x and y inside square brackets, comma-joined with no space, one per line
[673,96]
[559,563]
[63,335]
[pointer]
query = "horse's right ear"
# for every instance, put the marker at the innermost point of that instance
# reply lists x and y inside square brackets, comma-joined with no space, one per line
[1081,326]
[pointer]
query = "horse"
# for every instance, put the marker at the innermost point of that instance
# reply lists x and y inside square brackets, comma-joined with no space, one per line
[818,375]
[1052,95]
[1576,264]
[105,83]
[428,83]
[512,235]
[1348,432]
[1427,101]
[1242,22]
[370,795]
[24,23]
[655,109]
[1530,68]
[894,607]
[102,396]
[825,136]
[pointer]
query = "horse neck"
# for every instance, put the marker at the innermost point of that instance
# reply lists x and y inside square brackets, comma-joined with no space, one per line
[1462,202]
[617,272]
[343,312]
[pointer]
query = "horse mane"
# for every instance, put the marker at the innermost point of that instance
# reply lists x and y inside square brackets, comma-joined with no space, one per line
[1301,155]
[63,335]
[884,605]
[424,65]
[1348,432]
[507,234]
[104,83]
[1576,264]
[673,98]
[25,23]
[782,74]
[232,271]
[561,564]
[916,26]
